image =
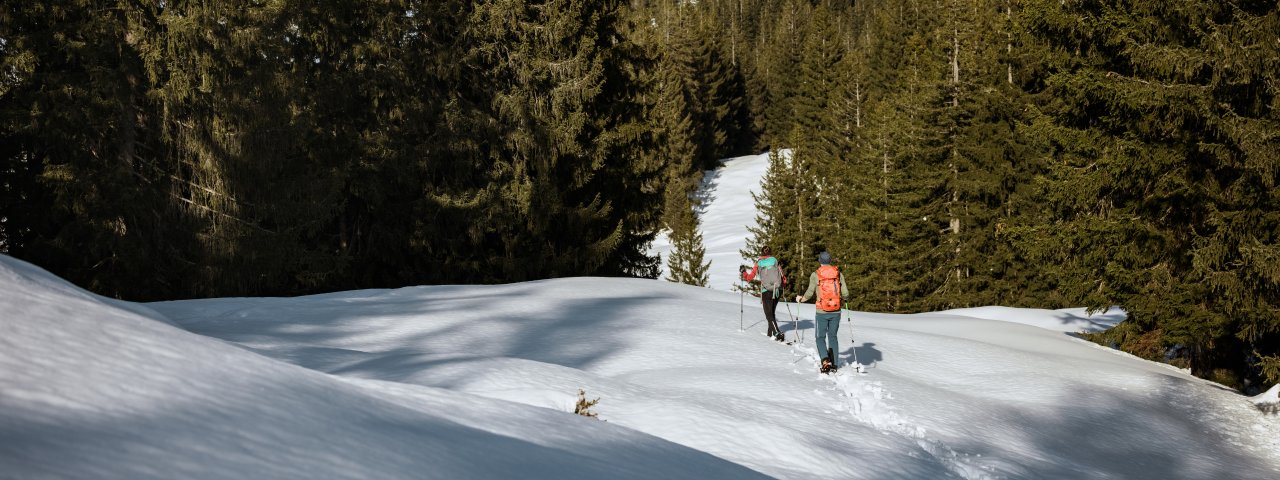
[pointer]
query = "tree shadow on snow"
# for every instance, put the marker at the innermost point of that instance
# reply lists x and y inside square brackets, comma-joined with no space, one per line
[398,333]
[703,195]
[1097,322]
[1164,432]
[788,326]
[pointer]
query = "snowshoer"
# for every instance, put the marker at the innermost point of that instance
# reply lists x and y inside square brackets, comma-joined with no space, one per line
[772,281]
[828,283]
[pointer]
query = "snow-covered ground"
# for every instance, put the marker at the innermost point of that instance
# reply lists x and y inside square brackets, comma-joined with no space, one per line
[727,209]
[480,382]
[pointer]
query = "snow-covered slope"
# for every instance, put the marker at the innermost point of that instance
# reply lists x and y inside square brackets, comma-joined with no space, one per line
[726,212]
[478,382]
[92,390]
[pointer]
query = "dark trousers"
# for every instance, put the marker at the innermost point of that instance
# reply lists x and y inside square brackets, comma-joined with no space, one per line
[770,302]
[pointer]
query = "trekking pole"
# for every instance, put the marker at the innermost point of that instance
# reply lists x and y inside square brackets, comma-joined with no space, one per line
[741,292]
[856,364]
[815,322]
[796,323]
[795,326]
[851,340]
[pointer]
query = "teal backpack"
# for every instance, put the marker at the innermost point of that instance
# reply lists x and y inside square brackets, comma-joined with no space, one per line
[770,274]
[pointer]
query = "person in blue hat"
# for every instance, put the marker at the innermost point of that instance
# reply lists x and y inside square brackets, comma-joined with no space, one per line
[828,283]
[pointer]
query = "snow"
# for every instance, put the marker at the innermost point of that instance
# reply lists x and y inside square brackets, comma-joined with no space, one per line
[1065,320]
[92,390]
[479,381]
[726,212]
[1269,400]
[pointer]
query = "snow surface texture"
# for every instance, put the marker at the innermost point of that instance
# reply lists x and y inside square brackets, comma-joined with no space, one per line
[480,382]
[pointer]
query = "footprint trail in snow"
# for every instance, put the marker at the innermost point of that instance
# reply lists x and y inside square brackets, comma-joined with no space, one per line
[866,400]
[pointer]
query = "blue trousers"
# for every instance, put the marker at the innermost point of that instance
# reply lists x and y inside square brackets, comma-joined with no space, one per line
[826,325]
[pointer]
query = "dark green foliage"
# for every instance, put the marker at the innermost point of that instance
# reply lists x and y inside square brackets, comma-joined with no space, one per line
[678,151]
[908,156]
[687,263]
[778,226]
[1166,146]
[543,70]
[777,59]
[84,195]
[175,150]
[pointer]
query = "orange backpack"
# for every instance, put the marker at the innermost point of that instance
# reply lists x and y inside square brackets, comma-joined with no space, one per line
[828,288]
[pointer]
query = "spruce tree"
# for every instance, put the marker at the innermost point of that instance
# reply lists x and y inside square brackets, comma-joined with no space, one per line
[908,135]
[778,54]
[547,70]
[84,196]
[262,133]
[819,153]
[985,158]
[675,137]
[1163,126]
[778,225]
[629,171]
[687,262]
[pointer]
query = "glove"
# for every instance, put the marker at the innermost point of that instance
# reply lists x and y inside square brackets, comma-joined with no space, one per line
[798,297]
[742,269]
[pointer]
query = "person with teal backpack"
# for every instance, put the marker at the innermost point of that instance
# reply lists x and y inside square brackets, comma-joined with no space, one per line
[772,281]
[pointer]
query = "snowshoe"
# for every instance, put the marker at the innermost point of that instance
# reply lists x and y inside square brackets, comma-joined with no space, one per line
[781,338]
[827,366]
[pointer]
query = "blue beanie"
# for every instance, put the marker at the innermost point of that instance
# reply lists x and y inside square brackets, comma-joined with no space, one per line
[824,258]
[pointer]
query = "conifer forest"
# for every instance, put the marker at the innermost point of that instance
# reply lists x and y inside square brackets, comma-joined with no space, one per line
[948,153]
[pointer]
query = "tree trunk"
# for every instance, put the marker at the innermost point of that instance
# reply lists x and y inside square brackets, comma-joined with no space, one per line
[1008,15]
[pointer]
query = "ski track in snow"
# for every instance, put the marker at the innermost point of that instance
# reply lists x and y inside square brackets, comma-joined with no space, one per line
[867,401]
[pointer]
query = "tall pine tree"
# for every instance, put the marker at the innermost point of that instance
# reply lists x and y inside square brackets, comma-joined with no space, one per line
[1164,124]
